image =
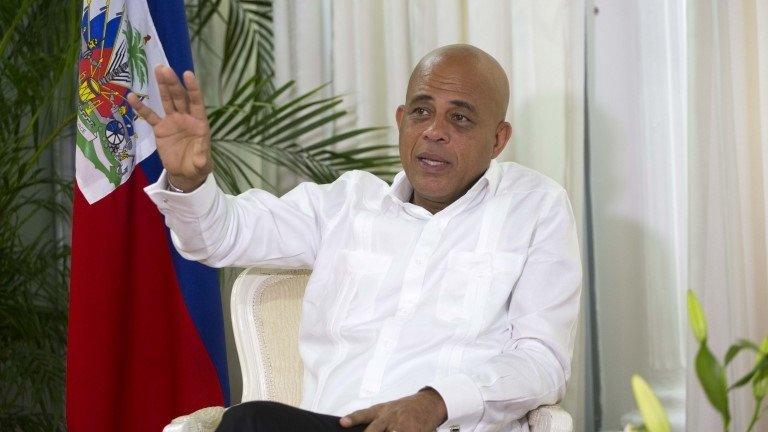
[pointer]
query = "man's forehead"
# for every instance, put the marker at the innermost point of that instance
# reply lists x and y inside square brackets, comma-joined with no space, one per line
[462,73]
[448,74]
[459,86]
[421,96]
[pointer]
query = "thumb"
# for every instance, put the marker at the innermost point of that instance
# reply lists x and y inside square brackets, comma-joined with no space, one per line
[358,417]
[202,162]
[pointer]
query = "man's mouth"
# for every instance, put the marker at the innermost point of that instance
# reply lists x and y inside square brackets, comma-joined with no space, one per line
[432,161]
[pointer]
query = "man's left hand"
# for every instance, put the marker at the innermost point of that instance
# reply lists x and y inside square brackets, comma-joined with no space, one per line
[420,412]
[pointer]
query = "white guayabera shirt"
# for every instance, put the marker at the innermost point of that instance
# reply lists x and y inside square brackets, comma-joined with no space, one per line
[478,301]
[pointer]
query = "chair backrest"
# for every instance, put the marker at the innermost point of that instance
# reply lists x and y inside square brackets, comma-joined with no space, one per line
[266,309]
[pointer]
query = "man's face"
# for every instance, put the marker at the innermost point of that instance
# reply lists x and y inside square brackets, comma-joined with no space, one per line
[449,132]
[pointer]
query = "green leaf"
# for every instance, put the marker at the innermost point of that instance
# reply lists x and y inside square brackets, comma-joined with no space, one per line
[761,364]
[654,415]
[712,378]
[271,133]
[696,317]
[737,347]
[259,119]
[760,385]
[340,137]
[39,43]
[248,37]
[759,388]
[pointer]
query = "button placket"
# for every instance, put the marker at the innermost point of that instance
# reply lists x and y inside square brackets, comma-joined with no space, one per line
[413,281]
[374,371]
[490,230]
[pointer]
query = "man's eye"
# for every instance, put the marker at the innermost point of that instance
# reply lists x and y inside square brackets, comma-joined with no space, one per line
[460,118]
[419,111]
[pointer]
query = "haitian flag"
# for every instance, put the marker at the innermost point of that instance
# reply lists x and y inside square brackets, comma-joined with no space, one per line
[145,339]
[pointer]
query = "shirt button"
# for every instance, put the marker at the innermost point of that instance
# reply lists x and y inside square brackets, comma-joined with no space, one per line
[406,309]
[389,344]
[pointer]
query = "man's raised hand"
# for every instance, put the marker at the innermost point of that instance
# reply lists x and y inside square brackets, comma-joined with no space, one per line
[183,136]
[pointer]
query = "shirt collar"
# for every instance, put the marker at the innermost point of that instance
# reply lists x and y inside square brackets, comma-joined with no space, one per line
[401,189]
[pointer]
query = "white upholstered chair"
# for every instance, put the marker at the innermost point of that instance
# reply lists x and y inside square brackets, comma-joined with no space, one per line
[266,305]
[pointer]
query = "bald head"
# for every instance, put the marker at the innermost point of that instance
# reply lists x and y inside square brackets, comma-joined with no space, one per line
[478,69]
[452,123]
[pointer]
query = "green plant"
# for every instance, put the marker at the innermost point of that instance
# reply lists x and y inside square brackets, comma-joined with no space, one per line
[255,121]
[38,46]
[712,377]
[653,413]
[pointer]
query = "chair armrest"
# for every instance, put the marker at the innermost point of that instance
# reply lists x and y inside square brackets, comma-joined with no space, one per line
[203,420]
[550,418]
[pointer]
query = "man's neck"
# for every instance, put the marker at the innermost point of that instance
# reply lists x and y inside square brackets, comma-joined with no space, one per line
[429,205]
[434,206]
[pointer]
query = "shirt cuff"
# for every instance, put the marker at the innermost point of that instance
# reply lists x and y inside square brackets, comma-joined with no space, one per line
[192,204]
[463,402]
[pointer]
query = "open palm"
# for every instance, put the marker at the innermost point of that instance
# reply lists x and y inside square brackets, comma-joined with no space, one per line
[183,136]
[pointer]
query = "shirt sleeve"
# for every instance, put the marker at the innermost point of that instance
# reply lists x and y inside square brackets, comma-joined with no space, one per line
[254,228]
[533,366]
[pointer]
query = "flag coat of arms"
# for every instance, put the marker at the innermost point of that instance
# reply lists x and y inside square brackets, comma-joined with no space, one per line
[118,45]
[145,338]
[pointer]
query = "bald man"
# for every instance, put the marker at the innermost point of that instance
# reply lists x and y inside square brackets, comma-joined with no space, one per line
[446,301]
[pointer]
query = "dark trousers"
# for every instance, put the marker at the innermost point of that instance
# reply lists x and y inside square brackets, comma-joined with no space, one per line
[264,416]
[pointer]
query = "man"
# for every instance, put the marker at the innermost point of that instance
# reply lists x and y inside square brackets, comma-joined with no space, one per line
[448,300]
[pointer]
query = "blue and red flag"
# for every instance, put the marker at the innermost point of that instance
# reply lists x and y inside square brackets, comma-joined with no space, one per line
[146,339]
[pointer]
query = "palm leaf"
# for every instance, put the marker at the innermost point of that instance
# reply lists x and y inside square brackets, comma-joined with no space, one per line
[248,42]
[38,44]
[273,133]
[257,119]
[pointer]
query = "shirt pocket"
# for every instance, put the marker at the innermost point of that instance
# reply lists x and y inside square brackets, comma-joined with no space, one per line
[467,274]
[362,275]
[507,267]
[474,283]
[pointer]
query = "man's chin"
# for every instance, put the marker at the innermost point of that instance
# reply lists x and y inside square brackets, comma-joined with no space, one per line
[436,193]
[438,177]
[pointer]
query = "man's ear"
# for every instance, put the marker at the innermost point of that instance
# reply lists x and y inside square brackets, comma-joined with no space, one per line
[399,115]
[503,134]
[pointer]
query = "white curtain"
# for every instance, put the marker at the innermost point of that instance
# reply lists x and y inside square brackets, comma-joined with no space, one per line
[636,122]
[728,151]
[367,49]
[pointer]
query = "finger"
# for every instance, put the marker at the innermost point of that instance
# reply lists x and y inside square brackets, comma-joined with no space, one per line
[362,416]
[378,425]
[177,91]
[196,104]
[165,94]
[144,111]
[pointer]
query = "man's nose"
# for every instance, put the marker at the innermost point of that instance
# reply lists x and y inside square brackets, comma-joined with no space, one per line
[436,131]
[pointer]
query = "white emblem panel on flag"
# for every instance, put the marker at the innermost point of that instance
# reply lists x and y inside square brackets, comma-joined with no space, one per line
[119,51]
